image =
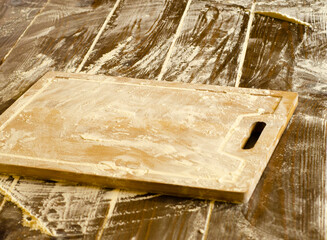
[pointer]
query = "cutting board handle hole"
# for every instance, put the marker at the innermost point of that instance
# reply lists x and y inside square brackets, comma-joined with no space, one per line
[256,131]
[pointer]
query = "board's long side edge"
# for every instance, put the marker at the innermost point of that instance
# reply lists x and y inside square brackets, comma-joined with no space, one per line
[111,182]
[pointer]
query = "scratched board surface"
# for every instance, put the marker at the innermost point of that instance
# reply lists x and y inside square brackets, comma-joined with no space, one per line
[290,199]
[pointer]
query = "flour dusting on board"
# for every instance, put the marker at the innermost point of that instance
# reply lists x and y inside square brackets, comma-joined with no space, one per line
[115,128]
[121,133]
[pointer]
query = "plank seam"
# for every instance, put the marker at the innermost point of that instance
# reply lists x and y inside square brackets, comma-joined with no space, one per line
[21,36]
[97,37]
[177,34]
[4,200]
[237,83]
[112,204]
[206,226]
[245,46]
[324,214]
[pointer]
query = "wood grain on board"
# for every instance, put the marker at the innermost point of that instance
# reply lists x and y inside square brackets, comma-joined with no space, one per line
[15,17]
[58,40]
[136,39]
[290,200]
[208,47]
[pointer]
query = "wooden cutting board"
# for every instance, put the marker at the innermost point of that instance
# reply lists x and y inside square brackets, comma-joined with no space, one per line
[188,140]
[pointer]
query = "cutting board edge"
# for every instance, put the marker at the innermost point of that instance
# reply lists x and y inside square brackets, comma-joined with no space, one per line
[128,184]
[291,103]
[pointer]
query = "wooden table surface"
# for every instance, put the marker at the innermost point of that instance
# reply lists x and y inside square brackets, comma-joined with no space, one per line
[229,43]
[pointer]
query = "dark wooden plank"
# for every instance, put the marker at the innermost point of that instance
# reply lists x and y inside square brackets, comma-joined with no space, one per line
[58,40]
[15,17]
[290,200]
[285,55]
[270,58]
[209,45]
[10,228]
[137,39]
[157,217]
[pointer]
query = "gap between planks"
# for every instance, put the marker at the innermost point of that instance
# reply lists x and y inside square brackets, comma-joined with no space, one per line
[12,186]
[20,37]
[245,45]
[177,34]
[97,37]
[207,223]
[112,204]
[237,83]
